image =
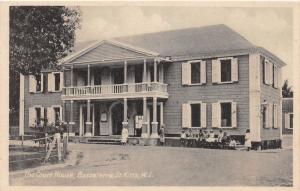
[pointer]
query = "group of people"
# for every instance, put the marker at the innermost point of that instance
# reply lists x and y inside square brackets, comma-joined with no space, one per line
[211,140]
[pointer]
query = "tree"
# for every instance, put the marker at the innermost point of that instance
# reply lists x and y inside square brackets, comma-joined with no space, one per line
[39,37]
[287,90]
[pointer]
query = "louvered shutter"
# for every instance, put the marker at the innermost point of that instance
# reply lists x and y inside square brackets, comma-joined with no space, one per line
[270,73]
[266,72]
[203,115]
[233,115]
[186,73]
[42,82]
[276,77]
[287,120]
[234,70]
[32,84]
[31,116]
[51,115]
[275,114]
[186,115]
[216,115]
[203,72]
[60,113]
[216,71]
[51,83]
[61,85]
[270,115]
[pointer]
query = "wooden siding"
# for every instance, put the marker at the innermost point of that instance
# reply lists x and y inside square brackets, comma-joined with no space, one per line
[106,51]
[271,95]
[32,99]
[208,93]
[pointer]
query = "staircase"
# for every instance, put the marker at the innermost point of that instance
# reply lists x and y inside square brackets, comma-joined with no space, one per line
[111,140]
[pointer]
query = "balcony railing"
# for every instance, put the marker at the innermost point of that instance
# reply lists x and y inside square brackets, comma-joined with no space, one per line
[116,89]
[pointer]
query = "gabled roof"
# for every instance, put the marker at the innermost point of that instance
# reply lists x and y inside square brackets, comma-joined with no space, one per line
[190,41]
[175,44]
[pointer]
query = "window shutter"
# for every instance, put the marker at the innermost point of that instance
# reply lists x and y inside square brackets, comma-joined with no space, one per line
[287,120]
[234,70]
[60,113]
[42,82]
[186,115]
[50,82]
[203,72]
[216,115]
[275,114]
[186,73]
[32,83]
[61,85]
[275,77]
[203,115]
[32,116]
[233,115]
[270,115]
[216,71]
[271,73]
[51,115]
[266,72]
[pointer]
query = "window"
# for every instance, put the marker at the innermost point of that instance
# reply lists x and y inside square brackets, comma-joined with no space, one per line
[38,83]
[195,73]
[56,115]
[56,81]
[38,115]
[264,116]
[196,115]
[226,70]
[291,120]
[226,114]
[45,89]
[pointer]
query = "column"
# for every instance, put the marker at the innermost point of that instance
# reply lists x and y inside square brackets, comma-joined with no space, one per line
[154,123]
[161,113]
[155,71]
[72,80]
[145,123]
[64,111]
[161,73]
[125,77]
[125,120]
[89,78]
[88,122]
[145,75]
[71,120]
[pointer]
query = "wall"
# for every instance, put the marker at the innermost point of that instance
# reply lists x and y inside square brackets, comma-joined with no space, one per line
[270,95]
[31,99]
[209,93]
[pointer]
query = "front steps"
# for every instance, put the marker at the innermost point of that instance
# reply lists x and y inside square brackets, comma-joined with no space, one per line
[112,140]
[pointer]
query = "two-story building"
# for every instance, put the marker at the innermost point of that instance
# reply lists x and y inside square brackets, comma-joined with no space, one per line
[200,78]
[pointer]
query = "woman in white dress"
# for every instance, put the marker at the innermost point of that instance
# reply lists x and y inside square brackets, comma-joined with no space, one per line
[247,140]
[124,135]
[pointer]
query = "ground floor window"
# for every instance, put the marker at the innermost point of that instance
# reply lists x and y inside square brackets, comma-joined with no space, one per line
[38,115]
[56,115]
[291,120]
[226,114]
[196,115]
[264,116]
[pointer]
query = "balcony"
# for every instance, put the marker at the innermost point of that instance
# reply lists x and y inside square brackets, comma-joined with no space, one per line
[113,91]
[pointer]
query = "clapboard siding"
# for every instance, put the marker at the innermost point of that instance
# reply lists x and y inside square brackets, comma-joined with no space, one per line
[208,93]
[33,99]
[271,95]
[106,51]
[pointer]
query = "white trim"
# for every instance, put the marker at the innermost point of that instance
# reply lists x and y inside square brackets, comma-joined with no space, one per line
[21,106]
[255,97]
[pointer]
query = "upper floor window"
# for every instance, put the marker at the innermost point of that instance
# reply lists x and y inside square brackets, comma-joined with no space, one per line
[270,73]
[56,81]
[36,83]
[194,72]
[224,70]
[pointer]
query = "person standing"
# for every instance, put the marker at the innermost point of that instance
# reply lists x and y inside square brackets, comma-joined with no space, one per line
[162,136]
[247,140]
[124,135]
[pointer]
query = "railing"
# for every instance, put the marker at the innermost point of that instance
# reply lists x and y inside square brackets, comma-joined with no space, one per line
[115,89]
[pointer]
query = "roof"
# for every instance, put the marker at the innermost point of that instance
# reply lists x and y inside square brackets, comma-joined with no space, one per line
[174,44]
[190,41]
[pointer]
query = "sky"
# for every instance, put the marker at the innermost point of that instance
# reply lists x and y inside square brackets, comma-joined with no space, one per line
[271,28]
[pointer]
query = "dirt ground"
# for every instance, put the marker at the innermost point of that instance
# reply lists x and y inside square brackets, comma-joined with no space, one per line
[109,165]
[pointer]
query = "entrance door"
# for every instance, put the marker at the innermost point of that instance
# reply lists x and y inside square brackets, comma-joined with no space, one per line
[83,119]
[117,119]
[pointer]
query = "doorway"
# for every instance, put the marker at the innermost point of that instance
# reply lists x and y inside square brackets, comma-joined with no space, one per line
[118,75]
[117,118]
